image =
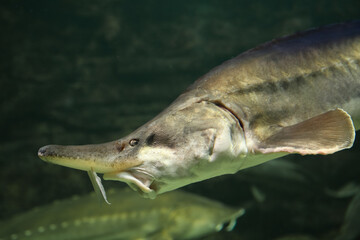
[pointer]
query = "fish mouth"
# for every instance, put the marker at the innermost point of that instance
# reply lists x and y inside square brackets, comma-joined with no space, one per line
[138,179]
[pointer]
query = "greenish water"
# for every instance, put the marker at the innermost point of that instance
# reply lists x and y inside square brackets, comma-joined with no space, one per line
[75,72]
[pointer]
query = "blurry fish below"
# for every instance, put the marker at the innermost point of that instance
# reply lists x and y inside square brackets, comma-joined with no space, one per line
[281,175]
[348,190]
[350,229]
[296,237]
[175,215]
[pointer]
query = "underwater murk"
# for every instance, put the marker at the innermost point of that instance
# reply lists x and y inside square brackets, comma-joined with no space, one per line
[86,72]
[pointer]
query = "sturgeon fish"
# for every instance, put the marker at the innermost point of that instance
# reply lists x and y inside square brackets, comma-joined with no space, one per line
[297,94]
[175,215]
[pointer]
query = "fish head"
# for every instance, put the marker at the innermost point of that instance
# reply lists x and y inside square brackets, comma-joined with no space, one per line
[176,148]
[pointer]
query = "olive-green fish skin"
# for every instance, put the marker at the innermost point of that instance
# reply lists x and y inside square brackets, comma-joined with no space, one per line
[289,79]
[176,215]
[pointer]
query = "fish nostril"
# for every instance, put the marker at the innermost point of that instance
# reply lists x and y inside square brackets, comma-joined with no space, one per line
[120,146]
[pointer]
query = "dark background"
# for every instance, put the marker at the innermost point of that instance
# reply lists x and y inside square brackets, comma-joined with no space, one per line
[76,72]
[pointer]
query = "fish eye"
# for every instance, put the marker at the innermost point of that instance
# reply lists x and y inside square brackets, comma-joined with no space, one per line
[134,142]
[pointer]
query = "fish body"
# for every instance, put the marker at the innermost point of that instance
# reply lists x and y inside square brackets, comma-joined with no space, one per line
[176,215]
[298,94]
[350,228]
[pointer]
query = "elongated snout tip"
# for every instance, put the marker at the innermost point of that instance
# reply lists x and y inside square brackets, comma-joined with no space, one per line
[45,152]
[42,151]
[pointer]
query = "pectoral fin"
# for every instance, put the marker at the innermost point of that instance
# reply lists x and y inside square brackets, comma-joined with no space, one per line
[323,134]
[98,187]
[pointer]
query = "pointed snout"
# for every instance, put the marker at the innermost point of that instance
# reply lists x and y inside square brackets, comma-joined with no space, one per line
[50,151]
[45,151]
[83,152]
[101,158]
[83,157]
[42,151]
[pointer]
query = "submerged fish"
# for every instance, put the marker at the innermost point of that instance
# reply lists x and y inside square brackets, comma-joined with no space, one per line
[350,229]
[298,94]
[175,215]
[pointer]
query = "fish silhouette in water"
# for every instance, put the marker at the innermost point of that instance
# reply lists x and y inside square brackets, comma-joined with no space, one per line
[297,94]
[175,215]
[350,228]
